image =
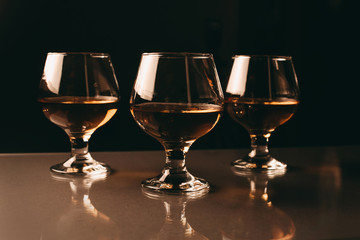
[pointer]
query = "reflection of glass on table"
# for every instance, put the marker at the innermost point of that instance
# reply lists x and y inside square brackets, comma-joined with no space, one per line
[81,220]
[258,218]
[176,226]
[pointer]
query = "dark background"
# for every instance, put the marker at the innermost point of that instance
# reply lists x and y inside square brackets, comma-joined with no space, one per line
[322,37]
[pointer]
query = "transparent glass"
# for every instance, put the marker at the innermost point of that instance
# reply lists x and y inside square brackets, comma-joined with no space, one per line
[176,99]
[262,93]
[79,93]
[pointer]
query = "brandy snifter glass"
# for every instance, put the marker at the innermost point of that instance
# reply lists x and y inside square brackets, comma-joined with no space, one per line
[79,93]
[176,99]
[262,93]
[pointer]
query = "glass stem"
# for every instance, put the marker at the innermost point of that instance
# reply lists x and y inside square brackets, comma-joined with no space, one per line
[175,161]
[259,146]
[80,149]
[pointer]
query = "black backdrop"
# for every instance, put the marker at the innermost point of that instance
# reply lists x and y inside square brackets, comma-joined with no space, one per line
[322,37]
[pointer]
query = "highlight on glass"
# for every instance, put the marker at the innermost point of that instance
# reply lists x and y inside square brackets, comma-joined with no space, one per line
[79,93]
[262,93]
[176,99]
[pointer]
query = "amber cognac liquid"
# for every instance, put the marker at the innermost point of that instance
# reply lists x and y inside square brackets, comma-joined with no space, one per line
[79,114]
[176,122]
[258,115]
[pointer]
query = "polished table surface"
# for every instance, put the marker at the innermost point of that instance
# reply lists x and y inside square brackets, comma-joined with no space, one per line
[317,198]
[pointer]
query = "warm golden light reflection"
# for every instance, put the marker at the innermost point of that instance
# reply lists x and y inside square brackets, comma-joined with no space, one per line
[108,116]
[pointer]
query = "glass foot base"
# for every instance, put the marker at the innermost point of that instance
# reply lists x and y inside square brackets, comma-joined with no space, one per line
[76,167]
[267,164]
[176,183]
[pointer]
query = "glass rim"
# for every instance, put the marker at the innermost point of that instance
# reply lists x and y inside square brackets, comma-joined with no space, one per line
[263,56]
[80,53]
[178,54]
